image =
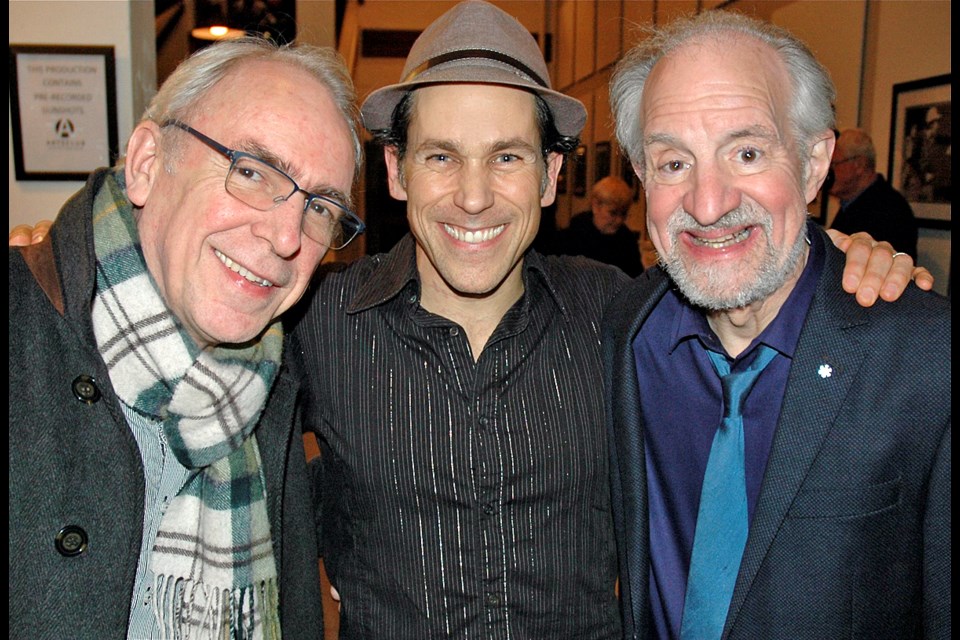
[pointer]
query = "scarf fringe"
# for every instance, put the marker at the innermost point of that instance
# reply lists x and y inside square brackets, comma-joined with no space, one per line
[191,610]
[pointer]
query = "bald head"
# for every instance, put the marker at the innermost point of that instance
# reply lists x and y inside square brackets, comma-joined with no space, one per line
[856,143]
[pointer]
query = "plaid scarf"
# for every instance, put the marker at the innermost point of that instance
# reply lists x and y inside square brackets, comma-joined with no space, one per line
[213,565]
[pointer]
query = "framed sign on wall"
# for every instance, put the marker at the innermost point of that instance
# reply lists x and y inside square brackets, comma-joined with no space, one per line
[63,110]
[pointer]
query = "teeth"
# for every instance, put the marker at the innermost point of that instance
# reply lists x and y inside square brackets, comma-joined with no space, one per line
[233,266]
[474,237]
[726,241]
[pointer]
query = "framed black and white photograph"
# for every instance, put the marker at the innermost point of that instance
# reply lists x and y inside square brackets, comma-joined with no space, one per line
[921,148]
[63,110]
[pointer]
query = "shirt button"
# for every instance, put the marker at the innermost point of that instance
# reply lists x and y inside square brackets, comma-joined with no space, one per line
[454,332]
[85,389]
[71,541]
[493,599]
[490,508]
[412,299]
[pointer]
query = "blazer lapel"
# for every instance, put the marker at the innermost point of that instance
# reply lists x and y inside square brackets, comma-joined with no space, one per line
[628,467]
[825,364]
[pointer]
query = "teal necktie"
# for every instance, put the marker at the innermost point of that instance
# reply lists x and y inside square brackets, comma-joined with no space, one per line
[721,532]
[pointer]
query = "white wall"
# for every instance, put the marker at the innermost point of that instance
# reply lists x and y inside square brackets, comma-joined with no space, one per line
[83,22]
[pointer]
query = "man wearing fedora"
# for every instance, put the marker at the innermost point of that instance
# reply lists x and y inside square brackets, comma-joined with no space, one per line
[463,455]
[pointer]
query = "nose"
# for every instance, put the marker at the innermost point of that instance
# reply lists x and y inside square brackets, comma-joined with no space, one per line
[711,195]
[281,226]
[474,193]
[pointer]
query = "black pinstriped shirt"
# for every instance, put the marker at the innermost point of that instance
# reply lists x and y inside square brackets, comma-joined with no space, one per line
[463,499]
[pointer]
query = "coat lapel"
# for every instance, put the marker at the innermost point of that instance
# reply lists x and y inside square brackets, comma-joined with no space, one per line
[628,467]
[826,362]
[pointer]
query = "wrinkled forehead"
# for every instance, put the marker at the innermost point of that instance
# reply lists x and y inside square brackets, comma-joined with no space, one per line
[282,113]
[714,70]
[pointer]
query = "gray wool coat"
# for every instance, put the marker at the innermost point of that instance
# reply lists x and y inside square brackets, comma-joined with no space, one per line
[75,474]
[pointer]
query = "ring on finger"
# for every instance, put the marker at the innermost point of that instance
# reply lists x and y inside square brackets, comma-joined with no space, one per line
[898,253]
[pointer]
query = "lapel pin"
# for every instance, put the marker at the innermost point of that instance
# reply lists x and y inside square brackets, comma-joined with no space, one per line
[825,371]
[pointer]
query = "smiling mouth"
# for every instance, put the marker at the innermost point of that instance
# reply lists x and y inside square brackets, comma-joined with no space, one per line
[722,242]
[236,268]
[474,237]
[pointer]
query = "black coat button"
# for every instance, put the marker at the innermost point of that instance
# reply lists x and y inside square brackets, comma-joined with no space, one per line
[71,541]
[85,389]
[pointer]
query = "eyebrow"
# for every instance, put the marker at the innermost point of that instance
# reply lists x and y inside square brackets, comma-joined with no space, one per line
[756,131]
[493,147]
[512,143]
[264,154]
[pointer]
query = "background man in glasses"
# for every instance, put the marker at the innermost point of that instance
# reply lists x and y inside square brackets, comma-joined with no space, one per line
[157,474]
[867,201]
[465,462]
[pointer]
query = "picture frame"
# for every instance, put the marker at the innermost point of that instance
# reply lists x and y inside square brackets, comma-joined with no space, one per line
[920,148]
[579,161]
[934,251]
[628,175]
[563,176]
[601,160]
[63,110]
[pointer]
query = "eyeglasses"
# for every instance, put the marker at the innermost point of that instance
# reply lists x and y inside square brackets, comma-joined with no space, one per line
[264,187]
[837,163]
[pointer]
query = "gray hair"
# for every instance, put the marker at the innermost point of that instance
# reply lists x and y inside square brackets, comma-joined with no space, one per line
[182,92]
[811,111]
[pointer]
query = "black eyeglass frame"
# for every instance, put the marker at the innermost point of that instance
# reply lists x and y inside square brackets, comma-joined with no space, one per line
[351,223]
[837,163]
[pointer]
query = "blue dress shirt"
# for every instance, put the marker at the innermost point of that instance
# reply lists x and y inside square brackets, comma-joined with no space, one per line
[680,424]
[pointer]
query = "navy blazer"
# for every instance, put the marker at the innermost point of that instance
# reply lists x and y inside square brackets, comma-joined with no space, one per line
[851,534]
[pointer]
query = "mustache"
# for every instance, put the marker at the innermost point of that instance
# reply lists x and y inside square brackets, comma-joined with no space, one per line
[747,214]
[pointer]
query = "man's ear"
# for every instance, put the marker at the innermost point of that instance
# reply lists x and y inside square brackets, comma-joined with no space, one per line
[395,181]
[142,162]
[818,164]
[554,163]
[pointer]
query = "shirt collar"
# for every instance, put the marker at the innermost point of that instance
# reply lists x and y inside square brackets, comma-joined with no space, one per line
[393,272]
[396,270]
[782,334]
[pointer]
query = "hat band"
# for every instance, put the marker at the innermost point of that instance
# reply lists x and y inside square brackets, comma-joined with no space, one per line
[476,53]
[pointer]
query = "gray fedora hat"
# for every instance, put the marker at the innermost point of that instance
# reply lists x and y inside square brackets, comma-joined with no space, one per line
[475,42]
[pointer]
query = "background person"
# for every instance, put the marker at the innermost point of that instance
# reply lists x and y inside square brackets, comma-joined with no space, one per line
[157,480]
[867,201]
[816,504]
[600,234]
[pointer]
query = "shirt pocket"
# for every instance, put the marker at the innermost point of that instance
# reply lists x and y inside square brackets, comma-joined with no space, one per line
[849,502]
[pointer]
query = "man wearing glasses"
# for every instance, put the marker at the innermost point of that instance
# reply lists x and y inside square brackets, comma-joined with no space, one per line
[157,474]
